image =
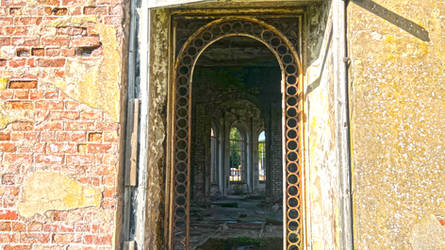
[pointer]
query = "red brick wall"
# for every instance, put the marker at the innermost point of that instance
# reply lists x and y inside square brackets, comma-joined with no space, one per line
[46,130]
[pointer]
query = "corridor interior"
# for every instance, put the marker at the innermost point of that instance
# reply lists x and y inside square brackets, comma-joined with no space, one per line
[236,147]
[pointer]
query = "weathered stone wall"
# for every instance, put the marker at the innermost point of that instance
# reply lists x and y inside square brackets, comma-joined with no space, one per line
[398,124]
[60,105]
[321,161]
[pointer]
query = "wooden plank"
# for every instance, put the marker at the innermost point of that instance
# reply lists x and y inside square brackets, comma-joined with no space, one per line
[132,143]
[129,245]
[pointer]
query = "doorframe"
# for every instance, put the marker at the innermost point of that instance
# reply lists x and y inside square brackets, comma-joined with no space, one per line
[172,140]
[145,215]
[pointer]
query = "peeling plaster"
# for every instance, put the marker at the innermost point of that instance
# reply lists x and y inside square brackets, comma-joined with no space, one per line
[93,81]
[428,234]
[44,191]
[158,86]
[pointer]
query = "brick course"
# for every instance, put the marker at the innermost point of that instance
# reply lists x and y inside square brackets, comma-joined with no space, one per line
[51,131]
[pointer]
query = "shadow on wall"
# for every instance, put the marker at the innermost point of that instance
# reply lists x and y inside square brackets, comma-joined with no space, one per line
[399,21]
[319,13]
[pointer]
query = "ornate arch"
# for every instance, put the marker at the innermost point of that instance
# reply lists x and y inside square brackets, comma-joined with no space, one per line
[288,59]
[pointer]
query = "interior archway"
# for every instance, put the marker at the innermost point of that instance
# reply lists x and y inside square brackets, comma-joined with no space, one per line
[182,170]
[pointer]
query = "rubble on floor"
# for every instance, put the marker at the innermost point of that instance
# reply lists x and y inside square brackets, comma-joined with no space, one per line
[237,222]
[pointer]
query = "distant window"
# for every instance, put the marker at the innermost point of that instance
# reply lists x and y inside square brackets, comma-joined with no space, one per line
[236,155]
[262,156]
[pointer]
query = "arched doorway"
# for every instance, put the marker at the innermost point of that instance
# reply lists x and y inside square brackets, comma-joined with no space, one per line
[288,59]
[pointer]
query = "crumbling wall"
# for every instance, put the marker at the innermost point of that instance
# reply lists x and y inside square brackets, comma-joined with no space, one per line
[157,123]
[398,123]
[60,105]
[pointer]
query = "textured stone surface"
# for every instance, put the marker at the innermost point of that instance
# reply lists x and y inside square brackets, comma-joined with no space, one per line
[321,162]
[43,191]
[157,126]
[398,124]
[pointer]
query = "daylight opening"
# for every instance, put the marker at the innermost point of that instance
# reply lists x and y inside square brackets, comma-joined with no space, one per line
[237,145]
[262,156]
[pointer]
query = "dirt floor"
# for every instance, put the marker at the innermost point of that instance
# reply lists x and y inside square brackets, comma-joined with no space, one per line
[238,223]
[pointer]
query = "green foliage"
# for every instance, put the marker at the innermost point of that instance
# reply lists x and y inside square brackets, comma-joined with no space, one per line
[261,150]
[235,148]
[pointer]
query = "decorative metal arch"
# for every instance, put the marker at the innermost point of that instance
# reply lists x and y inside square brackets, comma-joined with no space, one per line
[284,51]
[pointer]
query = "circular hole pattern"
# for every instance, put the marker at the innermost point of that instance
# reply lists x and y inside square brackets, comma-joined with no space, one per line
[292,190]
[192,51]
[292,80]
[207,35]
[292,134]
[291,101]
[186,60]
[287,59]
[292,179]
[267,35]
[247,27]
[291,90]
[225,28]
[198,43]
[182,80]
[292,202]
[275,41]
[180,201]
[181,145]
[292,167]
[181,167]
[292,145]
[293,238]
[180,189]
[180,178]
[183,70]
[182,91]
[293,225]
[291,112]
[181,155]
[292,123]
[292,156]
[293,213]
[182,122]
[282,49]
[181,134]
[182,112]
[237,27]
[290,69]
[182,101]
